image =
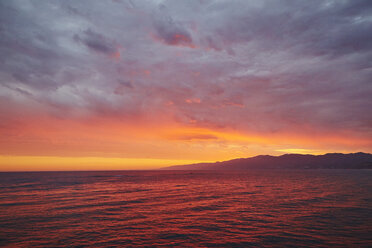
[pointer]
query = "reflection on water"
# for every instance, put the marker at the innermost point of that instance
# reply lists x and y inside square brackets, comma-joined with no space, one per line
[179,208]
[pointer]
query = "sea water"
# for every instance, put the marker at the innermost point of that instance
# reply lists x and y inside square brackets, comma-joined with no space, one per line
[293,208]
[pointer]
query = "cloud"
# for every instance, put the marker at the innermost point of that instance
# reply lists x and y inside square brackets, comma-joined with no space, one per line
[96,42]
[191,137]
[260,66]
[169,31]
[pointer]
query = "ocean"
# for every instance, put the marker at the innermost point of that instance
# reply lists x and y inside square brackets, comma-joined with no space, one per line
[262,208]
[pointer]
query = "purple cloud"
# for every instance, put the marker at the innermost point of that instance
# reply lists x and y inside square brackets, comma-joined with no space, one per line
[264,66]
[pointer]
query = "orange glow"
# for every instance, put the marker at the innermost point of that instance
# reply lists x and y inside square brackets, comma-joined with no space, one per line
[301,151]
[193,100]
[138,143]
[49,163]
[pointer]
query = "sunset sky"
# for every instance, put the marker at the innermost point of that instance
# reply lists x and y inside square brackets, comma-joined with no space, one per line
[127,84]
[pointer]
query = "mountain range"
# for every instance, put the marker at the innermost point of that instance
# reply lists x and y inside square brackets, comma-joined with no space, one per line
[358,160]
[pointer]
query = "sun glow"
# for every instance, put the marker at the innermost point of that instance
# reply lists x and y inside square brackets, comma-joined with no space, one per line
[53,163]
[112,145]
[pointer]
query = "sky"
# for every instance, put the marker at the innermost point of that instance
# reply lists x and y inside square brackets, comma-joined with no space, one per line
[131,84]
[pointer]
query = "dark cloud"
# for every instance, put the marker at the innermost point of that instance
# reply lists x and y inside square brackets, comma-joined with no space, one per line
[97,42]
[354,8]
[169,31]
[123,87]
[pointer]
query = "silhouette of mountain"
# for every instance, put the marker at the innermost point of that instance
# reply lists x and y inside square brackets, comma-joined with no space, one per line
[358,160]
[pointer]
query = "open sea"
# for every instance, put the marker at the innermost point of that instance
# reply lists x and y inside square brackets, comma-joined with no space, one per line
[302,208]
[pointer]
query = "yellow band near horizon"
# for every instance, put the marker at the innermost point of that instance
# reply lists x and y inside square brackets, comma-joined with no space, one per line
[54,163]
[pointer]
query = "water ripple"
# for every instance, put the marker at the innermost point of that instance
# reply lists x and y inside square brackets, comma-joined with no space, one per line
[182,209]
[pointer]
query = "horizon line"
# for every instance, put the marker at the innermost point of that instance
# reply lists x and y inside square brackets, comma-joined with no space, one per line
[190,162]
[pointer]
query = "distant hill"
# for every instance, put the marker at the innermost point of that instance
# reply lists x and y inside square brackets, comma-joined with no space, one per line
[288,161]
